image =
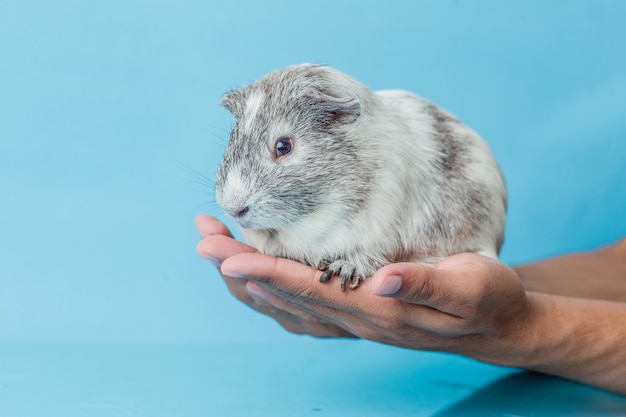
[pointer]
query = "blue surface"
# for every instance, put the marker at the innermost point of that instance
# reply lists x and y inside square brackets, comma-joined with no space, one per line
[325,379]
[107,108]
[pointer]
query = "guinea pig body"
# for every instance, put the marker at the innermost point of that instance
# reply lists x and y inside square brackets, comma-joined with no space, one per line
[321,170]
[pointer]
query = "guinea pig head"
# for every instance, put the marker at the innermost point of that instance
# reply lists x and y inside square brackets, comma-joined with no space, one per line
[288,152]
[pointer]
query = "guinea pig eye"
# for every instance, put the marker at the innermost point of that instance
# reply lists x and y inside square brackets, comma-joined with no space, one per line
[283,147]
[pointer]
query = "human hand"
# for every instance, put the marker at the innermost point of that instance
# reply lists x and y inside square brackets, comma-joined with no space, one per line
[218,244]
[466,304]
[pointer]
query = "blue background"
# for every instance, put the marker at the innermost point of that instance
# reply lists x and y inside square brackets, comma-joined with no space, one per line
[107,108]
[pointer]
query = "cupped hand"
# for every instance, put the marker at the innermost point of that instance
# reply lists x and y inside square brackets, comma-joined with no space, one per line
[466,304]
[218,244]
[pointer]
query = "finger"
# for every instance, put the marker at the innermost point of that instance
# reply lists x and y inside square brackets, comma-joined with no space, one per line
[291,319]
[305,322]
[208,226]
[296,280]
[216,248]
[279,303]
[289,275]
[262,299]
[297,326]
[359,312]
[383,322]
[443,290]
[293,323]
[256,300]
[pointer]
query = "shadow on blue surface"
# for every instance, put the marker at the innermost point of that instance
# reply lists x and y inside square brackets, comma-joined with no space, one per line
[531,394]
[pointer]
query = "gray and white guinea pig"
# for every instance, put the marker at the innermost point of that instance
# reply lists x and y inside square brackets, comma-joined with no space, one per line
[322,170]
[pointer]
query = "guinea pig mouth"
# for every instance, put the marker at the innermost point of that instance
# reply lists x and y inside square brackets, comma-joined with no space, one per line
[251,223]
[246,222]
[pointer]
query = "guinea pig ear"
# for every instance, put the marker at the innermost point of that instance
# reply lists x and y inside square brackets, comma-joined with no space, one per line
[233,102]
[333,110]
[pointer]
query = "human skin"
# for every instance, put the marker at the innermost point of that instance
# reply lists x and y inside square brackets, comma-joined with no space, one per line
[564,316]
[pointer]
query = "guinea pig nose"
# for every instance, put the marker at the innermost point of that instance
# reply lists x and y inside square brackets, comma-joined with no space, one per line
[242,212]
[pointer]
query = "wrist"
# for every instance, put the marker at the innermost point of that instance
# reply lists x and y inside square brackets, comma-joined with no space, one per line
[573,338]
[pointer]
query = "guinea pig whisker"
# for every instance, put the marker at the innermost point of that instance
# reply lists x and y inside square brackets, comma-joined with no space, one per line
[217,132]
[199,177]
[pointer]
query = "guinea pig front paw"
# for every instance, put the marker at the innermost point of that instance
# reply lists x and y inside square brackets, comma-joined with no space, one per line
[347,271]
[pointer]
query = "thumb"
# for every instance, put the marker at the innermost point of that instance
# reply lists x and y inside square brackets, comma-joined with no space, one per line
[418,284]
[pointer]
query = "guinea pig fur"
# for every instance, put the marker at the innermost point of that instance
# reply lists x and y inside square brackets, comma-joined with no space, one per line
[322,170]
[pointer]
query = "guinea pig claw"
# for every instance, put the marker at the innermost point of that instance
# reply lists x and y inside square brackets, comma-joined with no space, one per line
[354,282]
[345,270]
[326,276]
[323,265]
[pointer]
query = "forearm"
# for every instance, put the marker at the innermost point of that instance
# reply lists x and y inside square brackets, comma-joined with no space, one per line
[582,340]
[599,275]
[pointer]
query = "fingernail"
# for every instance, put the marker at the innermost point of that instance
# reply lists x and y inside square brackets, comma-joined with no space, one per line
[254,289]
[215,261]
[231,274]
[390,285]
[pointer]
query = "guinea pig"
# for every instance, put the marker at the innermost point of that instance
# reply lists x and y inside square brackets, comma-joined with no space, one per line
[322,170]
